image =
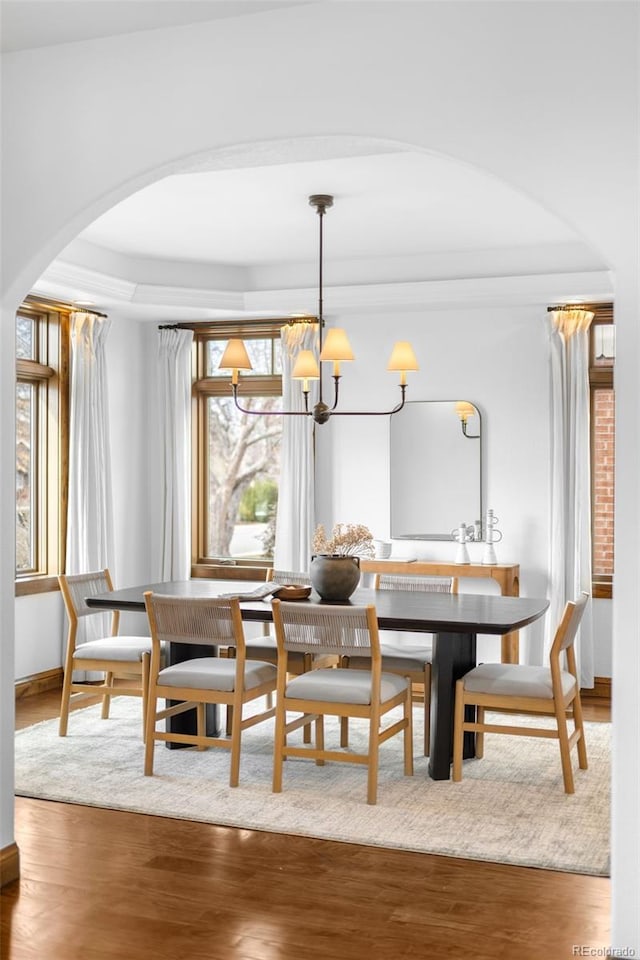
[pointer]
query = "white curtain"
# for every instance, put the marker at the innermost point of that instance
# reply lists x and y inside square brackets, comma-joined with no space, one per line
[296,499]
[570,540]
[90,507]
[174,404]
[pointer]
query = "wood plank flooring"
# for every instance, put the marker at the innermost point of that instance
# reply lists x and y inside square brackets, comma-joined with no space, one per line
[101,884]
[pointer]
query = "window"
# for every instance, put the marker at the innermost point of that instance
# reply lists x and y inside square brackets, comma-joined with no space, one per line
[236,455]
[41,438]
[601,369]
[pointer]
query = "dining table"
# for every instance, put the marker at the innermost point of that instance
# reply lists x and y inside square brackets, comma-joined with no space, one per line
[455,620]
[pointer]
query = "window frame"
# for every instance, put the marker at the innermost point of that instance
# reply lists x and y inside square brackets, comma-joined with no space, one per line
[600,377]
[48,372]
[204,387]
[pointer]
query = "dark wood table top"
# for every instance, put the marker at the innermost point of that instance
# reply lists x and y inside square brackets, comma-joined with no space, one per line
[396,609]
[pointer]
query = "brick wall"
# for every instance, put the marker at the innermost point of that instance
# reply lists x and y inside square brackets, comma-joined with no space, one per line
[603,478]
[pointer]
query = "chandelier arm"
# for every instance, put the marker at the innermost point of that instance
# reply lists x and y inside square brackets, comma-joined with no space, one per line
[336,380]
[373,413]
[269,413]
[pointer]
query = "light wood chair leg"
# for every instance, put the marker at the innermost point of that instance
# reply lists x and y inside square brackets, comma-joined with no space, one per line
[427,709]
[201,722]
[229,725]
[149,739]
[319,739]
[374,750]
[106,700]
[306,733]
[408,735]
[480,734]
[236,732]
[565,752]
[146,667]
[458,733]
[278,744]
[344,732]
[579,724]
[66,698]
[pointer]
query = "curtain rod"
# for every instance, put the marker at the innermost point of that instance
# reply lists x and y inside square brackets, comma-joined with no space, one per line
[598,305]
[238,321]
[60,305]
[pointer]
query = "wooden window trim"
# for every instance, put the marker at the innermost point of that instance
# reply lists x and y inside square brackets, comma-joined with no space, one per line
[54,378]
[251,385]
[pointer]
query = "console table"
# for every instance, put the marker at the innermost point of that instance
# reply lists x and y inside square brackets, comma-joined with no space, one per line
[506,575]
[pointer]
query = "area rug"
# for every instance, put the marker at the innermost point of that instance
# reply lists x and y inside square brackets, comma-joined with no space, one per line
[509,808]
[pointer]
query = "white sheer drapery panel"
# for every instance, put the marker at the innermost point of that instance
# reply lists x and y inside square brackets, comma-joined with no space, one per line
[296,491]
[90,507]
[570,538]
[174,404]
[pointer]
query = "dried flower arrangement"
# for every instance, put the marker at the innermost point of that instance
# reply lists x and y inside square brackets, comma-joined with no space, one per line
[346,540]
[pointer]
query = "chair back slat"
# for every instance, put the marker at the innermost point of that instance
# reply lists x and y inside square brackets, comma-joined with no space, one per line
[310,628]
[417,584]
[198,620]
[566,632]
[82,585]
[289,577]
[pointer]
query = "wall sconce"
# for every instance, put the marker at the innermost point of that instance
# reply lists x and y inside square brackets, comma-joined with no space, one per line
[465,410]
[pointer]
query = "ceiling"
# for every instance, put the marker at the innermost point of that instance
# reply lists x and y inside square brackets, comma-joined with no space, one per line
[241,221]
[390,205]
[28,24]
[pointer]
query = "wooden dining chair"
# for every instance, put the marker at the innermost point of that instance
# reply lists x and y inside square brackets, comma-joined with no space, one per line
[368,694]
[265,647]
[516,688]
[116,657]
[411,661]
[196,682]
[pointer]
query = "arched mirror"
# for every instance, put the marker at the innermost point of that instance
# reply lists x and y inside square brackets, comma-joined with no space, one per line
[436,469]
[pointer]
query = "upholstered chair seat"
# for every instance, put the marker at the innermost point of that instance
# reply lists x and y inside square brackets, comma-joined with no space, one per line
[516,680]
[343,686]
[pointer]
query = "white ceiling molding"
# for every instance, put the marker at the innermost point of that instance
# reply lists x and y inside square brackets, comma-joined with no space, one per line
[190,297]
[480,292]
[82,282]
[112,291]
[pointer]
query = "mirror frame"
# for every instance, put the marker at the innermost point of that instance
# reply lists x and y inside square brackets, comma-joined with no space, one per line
[479,531]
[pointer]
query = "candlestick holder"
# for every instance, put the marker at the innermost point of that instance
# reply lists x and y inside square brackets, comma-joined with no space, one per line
[462,535]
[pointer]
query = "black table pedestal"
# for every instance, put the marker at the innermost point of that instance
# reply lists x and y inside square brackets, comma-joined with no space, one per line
[187,722]
[454,654]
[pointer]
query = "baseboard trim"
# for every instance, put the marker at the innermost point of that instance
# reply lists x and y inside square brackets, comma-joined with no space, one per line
[9,864]
[39,682]
[601,690]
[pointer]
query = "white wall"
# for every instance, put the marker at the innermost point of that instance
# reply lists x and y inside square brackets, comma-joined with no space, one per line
[123,109]
[39,634]
[498,359]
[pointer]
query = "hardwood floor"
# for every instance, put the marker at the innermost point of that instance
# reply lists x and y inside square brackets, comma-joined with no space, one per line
[101,884]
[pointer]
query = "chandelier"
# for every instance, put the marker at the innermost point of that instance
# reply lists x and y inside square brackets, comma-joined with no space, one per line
[336,348]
